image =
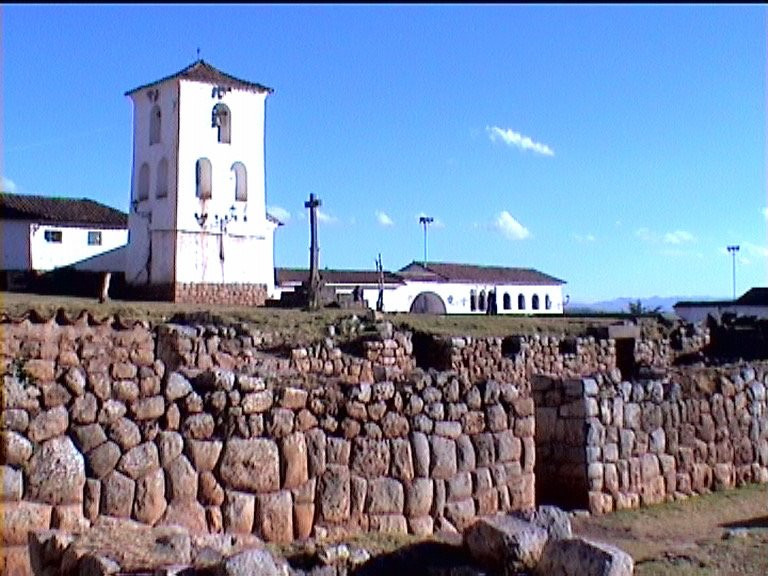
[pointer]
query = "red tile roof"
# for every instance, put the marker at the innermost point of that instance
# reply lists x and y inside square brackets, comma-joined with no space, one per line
[61,211]
[201,71]
[449,272]
[298,275]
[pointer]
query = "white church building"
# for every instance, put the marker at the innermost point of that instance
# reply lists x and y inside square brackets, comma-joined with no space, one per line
[198,226]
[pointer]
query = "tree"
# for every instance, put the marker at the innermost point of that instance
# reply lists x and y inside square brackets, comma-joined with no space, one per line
[637,309]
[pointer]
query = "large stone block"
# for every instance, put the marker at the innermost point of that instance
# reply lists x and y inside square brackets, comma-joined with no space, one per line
[250,465]
[117,492]
[203,454]
[581,557]
[17,519]
[294,460]
[465,454]
[15,449]
[169,446]
[56,473]
[274,517]
[420,450]
[316,456]
[385,496]
[252,562]
[238,512]
[181,480]
[188,514]
[402,460]
[370,458]
[418,497]
[333,497]
[11,484]
[505,544]
[442,457]
[150,503]
[461,514]
[139,461]
[48,424]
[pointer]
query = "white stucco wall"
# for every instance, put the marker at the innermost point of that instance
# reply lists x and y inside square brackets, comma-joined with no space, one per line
[15,241]
[185,247]
[73,246]
[694,314]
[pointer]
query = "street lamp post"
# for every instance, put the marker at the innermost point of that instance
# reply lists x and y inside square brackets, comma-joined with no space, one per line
[425,221]
[733,250]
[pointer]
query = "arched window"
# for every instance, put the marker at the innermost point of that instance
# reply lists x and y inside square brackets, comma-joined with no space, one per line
[481,303]
[547,302]
[203,178]
[143,193]
[520,302]
[507,301]
[535,302]
[222,119]
[241,182]
[472,300]
[154,125]
[161,186]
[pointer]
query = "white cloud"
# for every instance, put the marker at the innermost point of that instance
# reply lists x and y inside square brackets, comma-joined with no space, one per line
[8,185]
[512,138]
[280,213]
[765,212]
[646,235]
[678,237]
[509,227]
[755,249]
[326,218]
[584,237]
[384,219]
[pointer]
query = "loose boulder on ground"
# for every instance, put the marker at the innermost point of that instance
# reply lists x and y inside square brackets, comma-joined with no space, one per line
[505,544]
[581,557]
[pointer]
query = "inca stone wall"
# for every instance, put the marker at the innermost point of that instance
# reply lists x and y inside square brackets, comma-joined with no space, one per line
[624,444]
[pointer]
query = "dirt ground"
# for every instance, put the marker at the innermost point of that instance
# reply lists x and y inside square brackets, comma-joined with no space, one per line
[723,534]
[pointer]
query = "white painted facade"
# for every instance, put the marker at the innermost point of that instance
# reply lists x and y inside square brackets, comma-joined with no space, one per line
[175,235]
[29,245]
[699,313]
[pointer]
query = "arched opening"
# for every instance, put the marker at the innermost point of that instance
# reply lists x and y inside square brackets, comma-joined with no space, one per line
[520,302]
[507,301]
[241,182]
[547,302]
[481,301]
[535,302]
[427,303]
[161,188]
[154,125]
[143,192]
[203,178]
[472,300]
[222,120]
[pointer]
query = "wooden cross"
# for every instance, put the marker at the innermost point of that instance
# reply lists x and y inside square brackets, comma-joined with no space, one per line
[314,276]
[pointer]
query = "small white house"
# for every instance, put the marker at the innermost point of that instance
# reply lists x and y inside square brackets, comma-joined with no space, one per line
[446,288]
[198,207]
[754,302]
[40,234]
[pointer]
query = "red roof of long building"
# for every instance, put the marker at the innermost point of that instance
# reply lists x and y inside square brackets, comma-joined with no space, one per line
[471,273]
[61,211]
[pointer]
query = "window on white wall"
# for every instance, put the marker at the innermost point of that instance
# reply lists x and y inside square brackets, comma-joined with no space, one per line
[53,236]
[222,120]
[94,238]
[535,302]
[241,182]
[520,302]
[547,302]
[507,301]
[161,190]
[472,300]
[144,181]
[154,125]
[203,178]
[481,303]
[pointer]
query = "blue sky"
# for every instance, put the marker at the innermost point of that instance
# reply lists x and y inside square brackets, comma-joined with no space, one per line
[619,148]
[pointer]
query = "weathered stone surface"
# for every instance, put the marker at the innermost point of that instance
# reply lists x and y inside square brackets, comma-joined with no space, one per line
[303,519]
[420,449]
[394,425]
[274,516]
[581,557]
[69,518]
[203,454]
[117,495]
[505,543]
[485,452]
[418,497]
[139,461]
[461,514]
[370,458]
[125,433]
[198,426]
[181,480]
[56,473]
[15,449]
[385,496]
[110,411]
[48,424]
[148,408]
[293,398]
[250,465]
[11,484]
[256,561]
[84,409]
[422,526]
[40,370]
[280,422]
[388,524]
[316,455]
[169,446]
[333,499]
[293,460]
[103,459]
[14,419]
[18,518]
[459,487]
[176,387]
[238,512]
[256,402]
[188,514]
[442,457]
[210,492]
[150,502]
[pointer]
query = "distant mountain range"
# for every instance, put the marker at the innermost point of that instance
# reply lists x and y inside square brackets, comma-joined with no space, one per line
[622,304]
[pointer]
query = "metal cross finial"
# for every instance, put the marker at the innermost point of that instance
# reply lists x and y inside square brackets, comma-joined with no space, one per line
[314,276]
[425,221]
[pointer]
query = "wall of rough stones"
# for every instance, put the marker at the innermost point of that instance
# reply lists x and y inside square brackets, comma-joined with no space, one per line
[626,444]
[203,428]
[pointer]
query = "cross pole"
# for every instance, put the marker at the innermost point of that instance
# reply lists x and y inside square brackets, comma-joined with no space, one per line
[314,277]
